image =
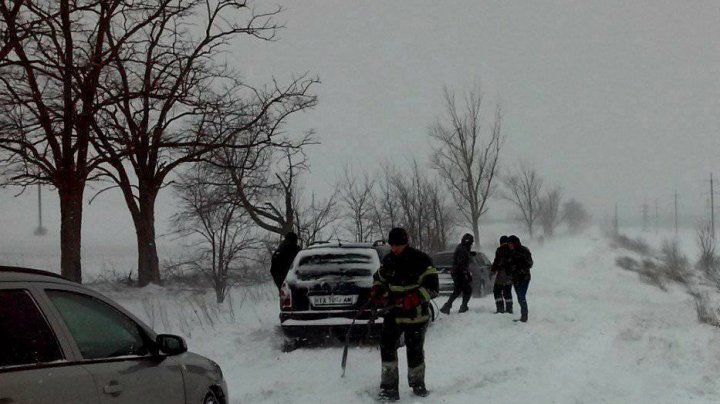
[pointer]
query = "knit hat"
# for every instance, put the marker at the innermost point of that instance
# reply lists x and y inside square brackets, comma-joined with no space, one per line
[398,236]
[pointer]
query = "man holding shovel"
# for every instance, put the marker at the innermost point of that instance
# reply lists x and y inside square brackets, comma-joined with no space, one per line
[404,284]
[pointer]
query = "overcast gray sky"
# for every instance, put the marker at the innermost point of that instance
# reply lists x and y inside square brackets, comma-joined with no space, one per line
[612,100]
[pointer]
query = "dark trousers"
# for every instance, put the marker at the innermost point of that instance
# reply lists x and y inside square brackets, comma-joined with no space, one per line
[503,297]
[414,342]
[461,285]
[521,289]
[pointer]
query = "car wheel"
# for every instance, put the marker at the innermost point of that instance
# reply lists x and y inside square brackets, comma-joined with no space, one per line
[211,398]
[289,344]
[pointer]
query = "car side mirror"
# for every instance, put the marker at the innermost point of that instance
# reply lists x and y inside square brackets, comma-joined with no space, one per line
[171,344]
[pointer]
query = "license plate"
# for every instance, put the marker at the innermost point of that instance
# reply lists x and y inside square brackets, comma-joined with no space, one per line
[334,300]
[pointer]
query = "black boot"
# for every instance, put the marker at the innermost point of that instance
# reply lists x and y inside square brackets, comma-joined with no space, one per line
[446,308]
[509,307]
[388,394]
[420,390]
[499,306]
[523,312]
[464,305]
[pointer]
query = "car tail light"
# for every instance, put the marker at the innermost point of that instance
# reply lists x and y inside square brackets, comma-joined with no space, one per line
[285,297]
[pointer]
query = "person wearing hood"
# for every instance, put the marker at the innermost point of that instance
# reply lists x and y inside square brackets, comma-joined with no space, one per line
[502,289]
[520,261]
[283,257]
[462,277]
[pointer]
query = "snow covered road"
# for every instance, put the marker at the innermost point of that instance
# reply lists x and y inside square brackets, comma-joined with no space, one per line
[596,334]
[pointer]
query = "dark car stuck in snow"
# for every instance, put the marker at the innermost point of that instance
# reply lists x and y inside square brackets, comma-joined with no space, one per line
[327,287]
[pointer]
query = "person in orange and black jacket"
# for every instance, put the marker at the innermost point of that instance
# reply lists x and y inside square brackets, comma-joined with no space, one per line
[502,289]
[405,284]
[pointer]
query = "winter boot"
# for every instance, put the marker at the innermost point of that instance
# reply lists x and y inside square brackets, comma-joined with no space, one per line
[388,394]
[499,306]
[464,305]
[509,307]
[420,390]
[524,316]
[446,308]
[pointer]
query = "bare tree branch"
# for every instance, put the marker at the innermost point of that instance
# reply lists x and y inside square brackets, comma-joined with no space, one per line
[466,157]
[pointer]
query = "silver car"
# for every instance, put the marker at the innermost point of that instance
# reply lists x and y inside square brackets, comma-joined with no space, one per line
[64,343]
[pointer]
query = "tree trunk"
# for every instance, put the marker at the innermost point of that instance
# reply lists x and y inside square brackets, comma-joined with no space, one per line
[219,295]
[144,220]
[476,232]
[71,196]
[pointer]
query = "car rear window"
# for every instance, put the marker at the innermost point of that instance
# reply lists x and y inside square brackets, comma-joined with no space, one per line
[351,263]
[483,259]
[25,336]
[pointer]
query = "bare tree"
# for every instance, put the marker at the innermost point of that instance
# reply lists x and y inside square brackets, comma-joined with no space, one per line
[708,260]
[223,232]
[524,188]
[264,181]
[467,154]
[174,101]
[385,202]
[423,210]
[550,211]
[575,216]
[356,195]
[52,57]
[313,220]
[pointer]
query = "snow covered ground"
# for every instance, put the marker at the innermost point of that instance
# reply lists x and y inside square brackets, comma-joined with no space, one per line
[596,334]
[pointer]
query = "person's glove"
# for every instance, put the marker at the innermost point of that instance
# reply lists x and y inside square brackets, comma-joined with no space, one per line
[468,276]
[411,300]
[378,296]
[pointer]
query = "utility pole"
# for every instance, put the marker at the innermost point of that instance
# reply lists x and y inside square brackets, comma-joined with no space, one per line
[657,216]
[676,213]
[615,221]
[40,230]
[712,208]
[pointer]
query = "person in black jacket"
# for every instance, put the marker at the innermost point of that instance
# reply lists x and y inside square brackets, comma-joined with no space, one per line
[520,262]
[283,257]
[404,286]
[502,289]
[462,277]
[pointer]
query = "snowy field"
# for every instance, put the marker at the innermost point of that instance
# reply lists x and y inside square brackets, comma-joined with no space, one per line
[596,334]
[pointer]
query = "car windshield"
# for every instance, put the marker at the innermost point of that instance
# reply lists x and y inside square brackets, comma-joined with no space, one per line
[336,263]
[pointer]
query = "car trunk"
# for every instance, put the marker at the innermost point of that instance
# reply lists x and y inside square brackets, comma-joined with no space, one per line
[332,282]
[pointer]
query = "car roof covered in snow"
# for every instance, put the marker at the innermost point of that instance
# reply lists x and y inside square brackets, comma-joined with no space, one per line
[338,245]
[19,274]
